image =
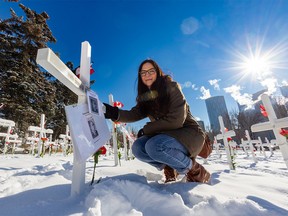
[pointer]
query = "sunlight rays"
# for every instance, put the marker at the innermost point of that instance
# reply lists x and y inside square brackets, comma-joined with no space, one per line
[256,64]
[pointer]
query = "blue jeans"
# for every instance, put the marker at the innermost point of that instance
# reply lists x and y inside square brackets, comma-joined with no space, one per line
[161,150]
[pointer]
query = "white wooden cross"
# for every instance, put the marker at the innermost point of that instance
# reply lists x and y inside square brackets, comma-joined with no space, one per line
[114,134]
[270,145]
[250,143]
[66,138]
[130,140]
[224,135]
[42,133]
[9,138]
[275,125]
[50,62]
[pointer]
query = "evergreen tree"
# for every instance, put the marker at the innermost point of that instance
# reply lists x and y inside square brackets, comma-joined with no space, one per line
[25,90]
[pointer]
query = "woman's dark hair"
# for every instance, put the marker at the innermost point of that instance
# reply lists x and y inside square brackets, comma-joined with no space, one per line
[156,98]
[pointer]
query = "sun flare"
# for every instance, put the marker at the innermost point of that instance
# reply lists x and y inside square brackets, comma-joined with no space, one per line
[257,63]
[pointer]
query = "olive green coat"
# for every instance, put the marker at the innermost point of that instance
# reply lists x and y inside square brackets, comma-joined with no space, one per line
[177,123]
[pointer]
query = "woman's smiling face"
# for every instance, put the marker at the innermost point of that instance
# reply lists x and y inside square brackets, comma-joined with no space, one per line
[148,74]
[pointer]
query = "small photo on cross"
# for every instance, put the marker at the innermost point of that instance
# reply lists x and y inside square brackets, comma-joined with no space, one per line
[94,105]
[92,127]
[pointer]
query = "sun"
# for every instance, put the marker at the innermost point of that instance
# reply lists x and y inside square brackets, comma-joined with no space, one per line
[256,65]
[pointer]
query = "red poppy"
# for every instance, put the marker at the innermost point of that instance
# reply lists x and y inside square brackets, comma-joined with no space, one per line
[263,111]
[284,132]
[102,150]
[44,139]
[229,139]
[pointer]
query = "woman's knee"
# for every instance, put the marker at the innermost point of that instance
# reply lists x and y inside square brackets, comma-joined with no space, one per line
[135,148]
[138,147]
[154,148]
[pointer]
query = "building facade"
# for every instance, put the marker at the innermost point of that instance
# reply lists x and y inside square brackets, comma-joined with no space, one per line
[216,106]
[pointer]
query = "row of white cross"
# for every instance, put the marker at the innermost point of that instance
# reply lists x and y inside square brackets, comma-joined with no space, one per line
[34,139]
[272,124]
[8,137]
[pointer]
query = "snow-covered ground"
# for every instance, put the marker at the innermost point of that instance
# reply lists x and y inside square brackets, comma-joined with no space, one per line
[41,186]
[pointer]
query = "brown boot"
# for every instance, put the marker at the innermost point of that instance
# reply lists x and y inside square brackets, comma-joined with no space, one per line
[170,174]
[198,173]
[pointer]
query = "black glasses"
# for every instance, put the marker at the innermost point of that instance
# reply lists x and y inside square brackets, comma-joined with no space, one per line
[150,72]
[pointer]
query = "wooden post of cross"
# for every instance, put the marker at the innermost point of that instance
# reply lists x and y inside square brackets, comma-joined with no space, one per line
[224,135]
[41,135]
[250,144]
[50,62]
[114,134]
[275,125]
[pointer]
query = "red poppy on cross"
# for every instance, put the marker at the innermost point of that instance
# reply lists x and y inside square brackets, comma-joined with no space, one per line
[263,111]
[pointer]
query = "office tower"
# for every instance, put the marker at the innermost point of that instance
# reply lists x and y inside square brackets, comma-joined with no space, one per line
[216,107]
[201,123]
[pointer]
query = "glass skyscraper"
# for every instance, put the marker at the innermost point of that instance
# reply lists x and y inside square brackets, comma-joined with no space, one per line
[216,106]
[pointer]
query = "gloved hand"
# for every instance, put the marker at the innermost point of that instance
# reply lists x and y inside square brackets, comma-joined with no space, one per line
[111,112]
[140,133]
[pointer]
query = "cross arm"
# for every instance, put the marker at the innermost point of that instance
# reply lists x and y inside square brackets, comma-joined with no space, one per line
[6,123]
[263,126]
[225,135]
[50,62]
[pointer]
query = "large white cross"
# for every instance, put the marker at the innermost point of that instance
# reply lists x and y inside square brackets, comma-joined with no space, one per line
[224,135]
[275,125]
[50,62]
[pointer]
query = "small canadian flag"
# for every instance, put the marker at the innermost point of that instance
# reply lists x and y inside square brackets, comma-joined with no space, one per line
[118,104]
[77,71]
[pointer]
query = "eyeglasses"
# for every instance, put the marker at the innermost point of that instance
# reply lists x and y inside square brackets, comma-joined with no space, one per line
[150,72]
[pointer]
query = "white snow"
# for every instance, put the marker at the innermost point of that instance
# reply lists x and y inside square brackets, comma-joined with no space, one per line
[41,186]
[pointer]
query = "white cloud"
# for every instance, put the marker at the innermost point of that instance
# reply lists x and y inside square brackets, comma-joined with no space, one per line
[189,25]
[270,84]
[205,93]
[242,99]
[188,84]
[193,86]
[215,83]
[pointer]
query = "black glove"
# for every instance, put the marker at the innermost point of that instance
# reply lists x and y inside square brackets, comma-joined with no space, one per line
[111,112]
[140,133]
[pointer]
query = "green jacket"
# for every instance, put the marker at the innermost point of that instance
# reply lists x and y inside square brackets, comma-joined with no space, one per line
[177,123]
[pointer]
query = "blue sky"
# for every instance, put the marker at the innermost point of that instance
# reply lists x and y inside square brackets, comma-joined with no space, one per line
[211,47]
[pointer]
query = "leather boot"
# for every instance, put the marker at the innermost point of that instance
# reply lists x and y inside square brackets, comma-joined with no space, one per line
[170,174]
[197,173]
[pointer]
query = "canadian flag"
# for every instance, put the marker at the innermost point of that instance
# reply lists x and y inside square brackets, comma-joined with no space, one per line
[118,104]
[77,71]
